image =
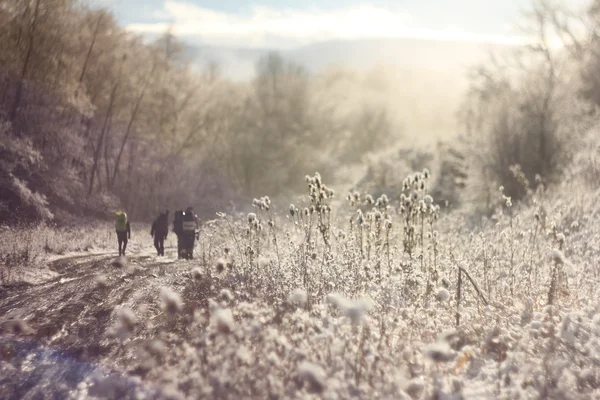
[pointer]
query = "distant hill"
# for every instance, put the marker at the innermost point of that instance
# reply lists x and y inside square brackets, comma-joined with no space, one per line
[434,55]
[424,80]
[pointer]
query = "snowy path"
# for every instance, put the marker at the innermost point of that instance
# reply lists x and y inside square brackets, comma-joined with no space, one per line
[66,345]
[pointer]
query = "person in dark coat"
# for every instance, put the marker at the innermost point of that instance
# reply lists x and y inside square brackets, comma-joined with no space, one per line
[160,231]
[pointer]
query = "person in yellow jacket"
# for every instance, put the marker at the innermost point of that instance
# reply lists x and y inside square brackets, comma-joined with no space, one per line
[123,231]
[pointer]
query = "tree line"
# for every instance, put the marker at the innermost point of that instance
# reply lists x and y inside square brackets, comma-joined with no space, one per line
[527,110]
[95,118]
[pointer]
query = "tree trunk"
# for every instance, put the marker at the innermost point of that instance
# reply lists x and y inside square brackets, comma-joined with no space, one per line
[124,141]
[106,153]
[101,140]
[19,93]
[103,132]
[129,128]
[59,64]
[89,53]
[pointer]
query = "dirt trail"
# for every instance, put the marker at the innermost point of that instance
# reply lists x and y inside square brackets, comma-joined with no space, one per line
[64,347]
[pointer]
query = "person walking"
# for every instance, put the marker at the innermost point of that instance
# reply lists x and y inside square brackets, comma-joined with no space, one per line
[123,231]
[160,231]
[185,226]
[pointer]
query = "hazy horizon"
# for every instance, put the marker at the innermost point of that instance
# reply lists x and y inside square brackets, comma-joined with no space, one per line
[291,23]
[425,56]
[235,34]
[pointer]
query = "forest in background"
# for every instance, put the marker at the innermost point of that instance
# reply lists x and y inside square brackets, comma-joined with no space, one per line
[93,119]
[93,116]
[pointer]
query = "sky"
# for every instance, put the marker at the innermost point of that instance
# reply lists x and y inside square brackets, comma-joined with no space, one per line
[292,23]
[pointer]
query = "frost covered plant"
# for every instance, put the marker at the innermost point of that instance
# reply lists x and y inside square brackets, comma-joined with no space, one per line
[197,273]
[222,265]
[388,225]
[326,324]
[127,319]
[521,179]
[320,198]
[434,247]
[172,302]
[312,375]
[354,199]
[558,278]
[440,352]
[355,310]
[315,222]
[419,211]
[226,295]
[264,203]
[222,320]
[253,248]
[443,295]
[298,298]
[125,325]
[382,203]
[101,281]
[360,224]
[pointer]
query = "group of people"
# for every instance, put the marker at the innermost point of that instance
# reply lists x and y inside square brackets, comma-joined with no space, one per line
[185,226]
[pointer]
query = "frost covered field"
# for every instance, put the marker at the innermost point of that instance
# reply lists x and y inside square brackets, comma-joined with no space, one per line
[462,264]
[334,298]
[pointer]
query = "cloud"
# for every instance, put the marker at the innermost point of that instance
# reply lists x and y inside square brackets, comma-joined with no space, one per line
[269,27]
[100,3]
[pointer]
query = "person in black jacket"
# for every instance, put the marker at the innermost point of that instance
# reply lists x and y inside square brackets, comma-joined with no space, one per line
[160,231]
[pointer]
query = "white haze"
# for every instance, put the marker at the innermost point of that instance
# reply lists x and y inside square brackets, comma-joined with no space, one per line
[264,26]
[421,67]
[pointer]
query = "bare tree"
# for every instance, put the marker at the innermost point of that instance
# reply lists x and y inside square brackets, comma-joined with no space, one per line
[105,127]
[32,26]
[517,111]
[134,113]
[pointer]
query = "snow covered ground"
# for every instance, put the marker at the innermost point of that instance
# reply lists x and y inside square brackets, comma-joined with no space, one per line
[397,301]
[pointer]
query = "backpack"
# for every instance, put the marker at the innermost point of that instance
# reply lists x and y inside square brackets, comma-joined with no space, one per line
[189,222]
[121,221]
